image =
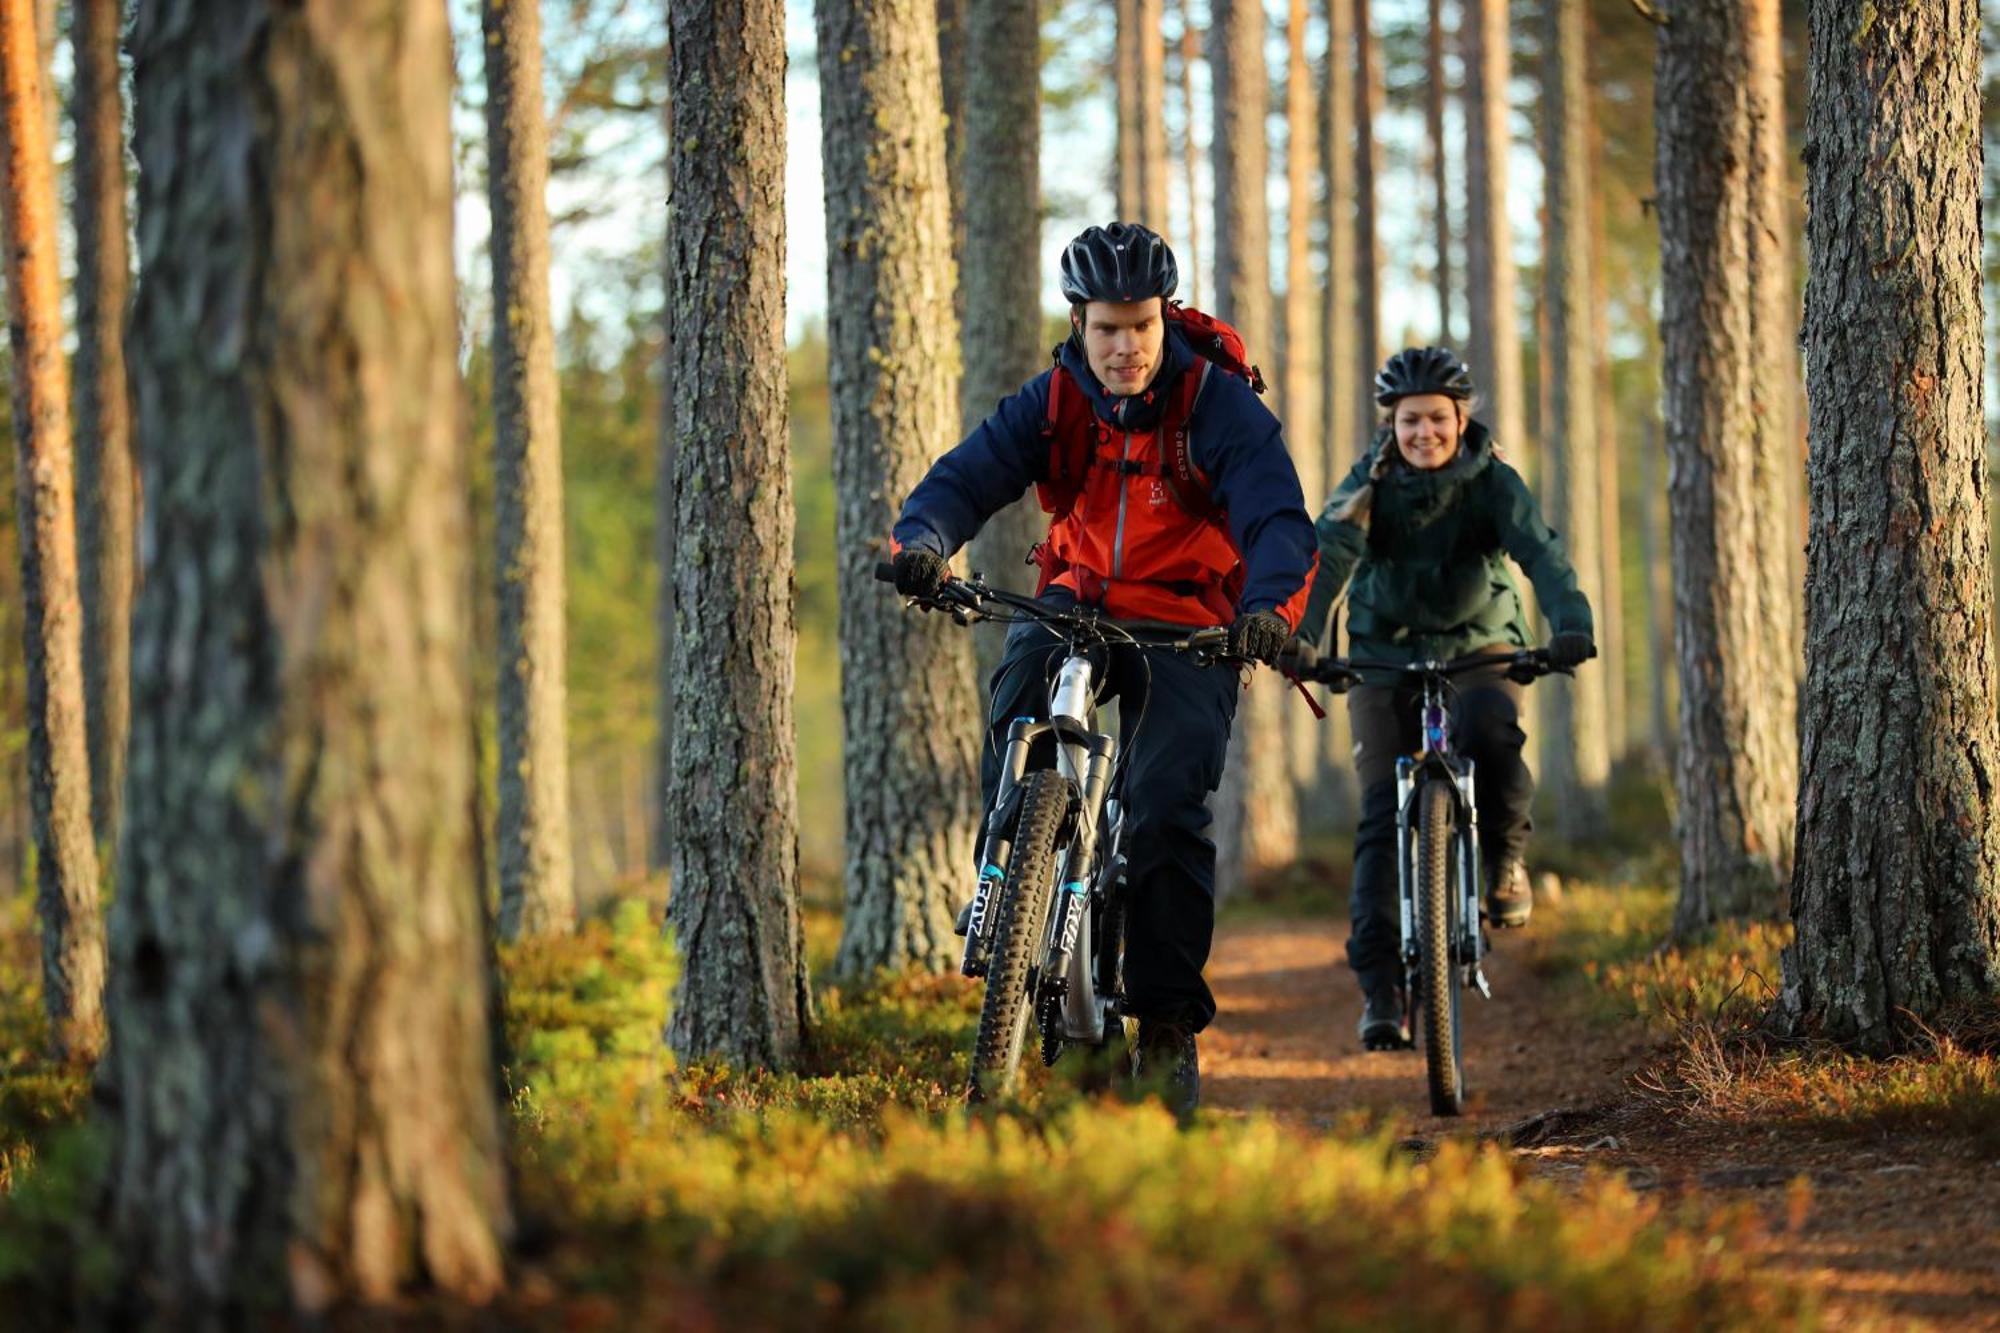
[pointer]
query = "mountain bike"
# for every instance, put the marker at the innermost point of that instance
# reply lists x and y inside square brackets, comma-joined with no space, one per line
[1047,924]
[1437,857]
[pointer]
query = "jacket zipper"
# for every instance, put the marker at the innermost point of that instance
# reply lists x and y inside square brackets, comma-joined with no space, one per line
[1124,488]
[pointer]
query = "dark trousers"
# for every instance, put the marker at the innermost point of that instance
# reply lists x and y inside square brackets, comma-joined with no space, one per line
[1174,720]
[1486,727]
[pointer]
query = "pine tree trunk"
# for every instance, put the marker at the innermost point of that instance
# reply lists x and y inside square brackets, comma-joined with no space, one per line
[665,543]
[1434,95]
[1151,52]
[303,997]
[1190,254]
[1610,608]
[537,896]
[1493,339]
[952,21]
[1298,392]
[1256,812]
[1658,585]
[1737,749]
[1898,846]
[107,497]
[1576,762]
[52,620]
[1002,340]
[910,713]
[1125,83]
[735,908]
[1367,248]
[1342,399]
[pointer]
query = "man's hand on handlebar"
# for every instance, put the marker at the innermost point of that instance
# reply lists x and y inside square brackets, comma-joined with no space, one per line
[1258,636]
[920,573]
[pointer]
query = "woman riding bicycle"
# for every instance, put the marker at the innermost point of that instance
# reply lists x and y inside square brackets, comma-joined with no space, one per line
[1420,525]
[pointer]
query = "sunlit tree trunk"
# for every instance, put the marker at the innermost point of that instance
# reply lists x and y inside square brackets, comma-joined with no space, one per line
[66,893]
[1002,275]
[1256,810]
[303,1000]
[1607,437]
[1125,84]
[1151,53]
[735,909]
[1895,892]
[106,493]
[909,710]
[1434,96]
[536,893]
[1367,248]
[1493,341]
[1342,402]
[1727,440]
[1299,392]
[1576,761]
[1190,252]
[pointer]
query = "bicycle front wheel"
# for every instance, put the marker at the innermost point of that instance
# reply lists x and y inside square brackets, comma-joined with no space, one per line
[1437,927]
[1020,923]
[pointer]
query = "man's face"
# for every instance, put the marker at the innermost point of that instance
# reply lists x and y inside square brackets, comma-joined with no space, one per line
[1427,429]
[1122,340]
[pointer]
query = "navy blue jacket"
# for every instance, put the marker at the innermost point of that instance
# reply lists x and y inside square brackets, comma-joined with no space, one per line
[1232,437]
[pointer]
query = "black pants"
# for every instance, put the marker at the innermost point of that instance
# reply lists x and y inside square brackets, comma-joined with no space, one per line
[1174,721]
[1485,726]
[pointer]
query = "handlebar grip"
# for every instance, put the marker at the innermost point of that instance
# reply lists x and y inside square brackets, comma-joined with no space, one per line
[885,571]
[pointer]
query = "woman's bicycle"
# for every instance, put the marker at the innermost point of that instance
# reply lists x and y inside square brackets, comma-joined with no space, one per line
[1437,856]
[1047,924]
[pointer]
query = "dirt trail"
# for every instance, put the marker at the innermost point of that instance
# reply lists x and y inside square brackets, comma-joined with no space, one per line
[1894,1233]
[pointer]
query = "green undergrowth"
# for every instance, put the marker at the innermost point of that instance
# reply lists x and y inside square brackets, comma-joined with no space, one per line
[859,1192]
[37,1095]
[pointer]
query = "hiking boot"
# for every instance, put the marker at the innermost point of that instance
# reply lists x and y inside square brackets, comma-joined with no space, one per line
[1509,900]
[1167,1054]
[1385,1020]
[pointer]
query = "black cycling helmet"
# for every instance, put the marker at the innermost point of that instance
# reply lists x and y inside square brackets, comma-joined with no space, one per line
[1417,370]
[1119,262]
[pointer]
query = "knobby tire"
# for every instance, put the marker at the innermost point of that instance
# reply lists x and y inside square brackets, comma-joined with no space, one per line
[1019,929]
[1435,929]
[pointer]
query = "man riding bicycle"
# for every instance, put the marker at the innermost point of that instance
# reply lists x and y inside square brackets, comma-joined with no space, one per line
[1422,524]
[1172,500]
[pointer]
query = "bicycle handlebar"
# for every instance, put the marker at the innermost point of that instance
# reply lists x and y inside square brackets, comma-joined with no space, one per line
[1522,667]
[967,599]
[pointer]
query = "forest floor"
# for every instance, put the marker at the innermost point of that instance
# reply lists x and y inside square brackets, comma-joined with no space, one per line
[1891,1225]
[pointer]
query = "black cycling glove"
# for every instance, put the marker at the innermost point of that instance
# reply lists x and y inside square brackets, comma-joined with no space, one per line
[1571,650]
[920,573]
[1259,636]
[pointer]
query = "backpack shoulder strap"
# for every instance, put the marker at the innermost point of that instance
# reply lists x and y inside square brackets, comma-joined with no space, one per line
[1183,478]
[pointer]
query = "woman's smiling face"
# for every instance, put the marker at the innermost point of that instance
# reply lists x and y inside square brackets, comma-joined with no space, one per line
[1428,427]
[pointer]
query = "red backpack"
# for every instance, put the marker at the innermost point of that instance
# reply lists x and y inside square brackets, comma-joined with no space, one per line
[1069,426]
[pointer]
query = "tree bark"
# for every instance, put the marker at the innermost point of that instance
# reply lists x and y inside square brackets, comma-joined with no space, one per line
[1493,339]
[58,755]
[909,711]
[1001,279]
[1151,51]
[1658,585]
[1125,83]
[1190,255]
[665,542]
[1576,762]
[952,20]
[303,998]
[1434,97]
[1367,248]
[1256,825]
[1723,350]
[1610,609]
[1343,398]
[1898,845]
[107,498]
[1298,394]
[537,896]
[735,907]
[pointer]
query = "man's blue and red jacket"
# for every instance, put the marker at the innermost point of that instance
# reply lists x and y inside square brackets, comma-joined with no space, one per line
[1126,543]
